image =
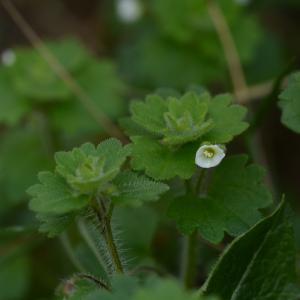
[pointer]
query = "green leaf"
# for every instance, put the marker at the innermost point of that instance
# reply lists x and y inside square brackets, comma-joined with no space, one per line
[32,76]
[290,103]
[88,168]
[137,242]
[70,45]
[76,288]
[178,121]
[53,196]
[160,162]
[234,195]
[53,225]
[12,106]
[166,289]
[227,118]
[149,114]
[123,288]
[22,155]
[178,127]
[14,277]
[100,81]
[133,189]
[259,264]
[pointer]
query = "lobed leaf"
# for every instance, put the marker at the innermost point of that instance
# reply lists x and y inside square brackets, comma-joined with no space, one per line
[88,168]
[160,162]
[54,196]
[235,194]
[227,118]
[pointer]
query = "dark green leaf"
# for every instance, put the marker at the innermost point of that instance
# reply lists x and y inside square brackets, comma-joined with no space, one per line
[133,189]
[259,264]
[160,162]
[290,103]
[235,194]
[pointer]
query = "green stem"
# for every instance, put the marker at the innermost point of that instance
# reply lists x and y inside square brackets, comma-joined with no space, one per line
[105,220]
[189,260]
[190,243]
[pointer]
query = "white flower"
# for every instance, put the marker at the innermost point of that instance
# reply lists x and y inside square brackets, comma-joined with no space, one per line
[8,57]
[208,156]
[129,10]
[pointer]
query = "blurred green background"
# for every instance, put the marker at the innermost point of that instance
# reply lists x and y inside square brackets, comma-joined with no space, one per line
[117,51]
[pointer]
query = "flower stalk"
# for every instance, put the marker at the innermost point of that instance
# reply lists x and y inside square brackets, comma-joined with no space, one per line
[104,218]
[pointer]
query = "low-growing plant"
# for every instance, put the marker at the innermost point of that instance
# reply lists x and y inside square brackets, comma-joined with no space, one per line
[149,183]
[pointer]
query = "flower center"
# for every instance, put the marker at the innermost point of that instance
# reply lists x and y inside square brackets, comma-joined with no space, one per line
[209,153]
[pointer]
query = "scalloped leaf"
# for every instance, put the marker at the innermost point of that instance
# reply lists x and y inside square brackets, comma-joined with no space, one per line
[160,162]
[54,196]
[235,194]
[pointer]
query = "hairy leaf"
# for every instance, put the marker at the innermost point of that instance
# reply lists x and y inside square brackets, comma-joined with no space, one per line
[88,168]
[54,196]
[179,127]
[235,194]
[133,189]
[259,264]
[53,225]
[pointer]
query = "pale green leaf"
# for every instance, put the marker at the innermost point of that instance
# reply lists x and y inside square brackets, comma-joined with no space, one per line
[88,168]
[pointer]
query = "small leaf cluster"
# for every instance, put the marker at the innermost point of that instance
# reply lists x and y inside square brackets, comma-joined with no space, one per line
[83,174]
[167,132]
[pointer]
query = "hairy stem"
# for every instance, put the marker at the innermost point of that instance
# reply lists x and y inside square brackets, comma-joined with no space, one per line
[104,218]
